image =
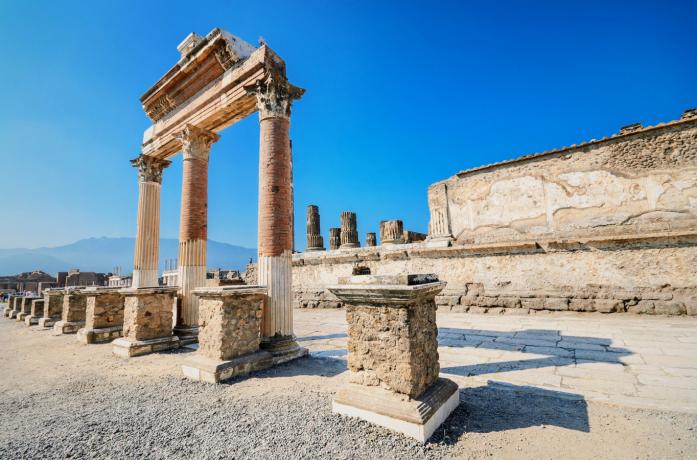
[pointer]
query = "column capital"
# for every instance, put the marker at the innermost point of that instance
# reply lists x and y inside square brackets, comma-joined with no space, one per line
[149,168]
[274,96]
[196,142]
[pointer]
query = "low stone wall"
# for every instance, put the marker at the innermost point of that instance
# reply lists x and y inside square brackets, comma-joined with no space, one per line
[650,273]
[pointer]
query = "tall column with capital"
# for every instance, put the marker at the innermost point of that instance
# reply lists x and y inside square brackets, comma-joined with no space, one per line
[193,225]
[148,228]
[275,234]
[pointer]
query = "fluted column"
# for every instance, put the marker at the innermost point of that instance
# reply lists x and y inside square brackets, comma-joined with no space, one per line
[370,239]
[349,232]
[315,242]
[275,234]
[147,247]
[391,232]
[193,225]
[334,238]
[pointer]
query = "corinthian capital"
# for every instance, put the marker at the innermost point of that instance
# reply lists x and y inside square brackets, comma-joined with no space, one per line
[274,96]
[196,142]
[150,168]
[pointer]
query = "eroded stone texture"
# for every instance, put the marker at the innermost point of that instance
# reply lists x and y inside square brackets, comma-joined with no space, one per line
[349,231]
[53,304]
[334,238]
[315,242]
[229,323]
[148,316]
[371,239]
[391,232]
[105,309]
[392,333]
[74,306]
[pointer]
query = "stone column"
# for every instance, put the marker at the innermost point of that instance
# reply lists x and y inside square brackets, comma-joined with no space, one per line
[275,231]
[315,242]
[193,226]
[349,232]
[393,354]
[148,228]
[391,232]
[334,238]
[371,239]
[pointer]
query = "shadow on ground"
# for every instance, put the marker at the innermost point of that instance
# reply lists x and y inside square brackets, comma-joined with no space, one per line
[562,350]
[501,407]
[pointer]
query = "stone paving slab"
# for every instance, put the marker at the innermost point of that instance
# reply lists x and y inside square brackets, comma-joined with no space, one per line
[637,361]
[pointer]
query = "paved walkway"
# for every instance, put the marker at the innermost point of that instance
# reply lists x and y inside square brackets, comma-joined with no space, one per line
[638,361]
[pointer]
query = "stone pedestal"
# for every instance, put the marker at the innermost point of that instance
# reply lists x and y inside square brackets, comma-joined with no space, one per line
[53,307]
[103,315]
[25,309]
[147,322]
[229,335]
[16,307]
[73,314]
[393,354]
[391,232]
[37,312]
[349,230]
[9,307]
[315,242]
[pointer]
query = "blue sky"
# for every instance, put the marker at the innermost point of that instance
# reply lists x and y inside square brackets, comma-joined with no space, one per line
[399,95]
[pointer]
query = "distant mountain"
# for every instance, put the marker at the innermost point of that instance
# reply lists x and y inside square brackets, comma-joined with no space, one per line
[103,254]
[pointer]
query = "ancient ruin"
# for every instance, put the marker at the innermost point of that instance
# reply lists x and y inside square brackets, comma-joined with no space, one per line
[315,242]
[349,232]
[605,226]
[393,352]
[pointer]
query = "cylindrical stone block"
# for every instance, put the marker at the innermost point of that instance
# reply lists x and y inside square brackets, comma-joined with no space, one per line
[315,242]
[370,239]
[391,232]
[349,232]
[334,238]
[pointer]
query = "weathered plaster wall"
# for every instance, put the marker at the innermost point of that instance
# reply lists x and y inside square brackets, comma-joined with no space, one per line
[607,226]
[629,184]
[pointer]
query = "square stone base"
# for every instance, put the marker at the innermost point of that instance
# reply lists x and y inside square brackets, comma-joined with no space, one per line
[104,335]
[31,320]
[204,369]
[187,335]
[67,327]
[47,322]
[20,316]
[6,312]
[13,314]
[127,348]
[417,418]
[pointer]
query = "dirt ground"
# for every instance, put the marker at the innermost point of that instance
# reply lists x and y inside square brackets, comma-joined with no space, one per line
[61,399]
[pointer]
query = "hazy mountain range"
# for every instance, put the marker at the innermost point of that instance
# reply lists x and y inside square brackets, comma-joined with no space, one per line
[103,254]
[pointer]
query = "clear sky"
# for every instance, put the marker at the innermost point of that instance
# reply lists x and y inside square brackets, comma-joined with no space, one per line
[399,95]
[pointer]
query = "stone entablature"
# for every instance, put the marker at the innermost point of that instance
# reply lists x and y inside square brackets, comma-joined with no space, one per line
[623,184]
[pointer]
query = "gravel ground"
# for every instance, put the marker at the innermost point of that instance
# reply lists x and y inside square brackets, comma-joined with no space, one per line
[61,399]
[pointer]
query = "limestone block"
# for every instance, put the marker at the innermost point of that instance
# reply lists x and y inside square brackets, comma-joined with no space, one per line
[74,306]
[104,308]
[229,321]
[643,307]
[608,305]
[148,313]
[53,303]
[663,307]
[392,334]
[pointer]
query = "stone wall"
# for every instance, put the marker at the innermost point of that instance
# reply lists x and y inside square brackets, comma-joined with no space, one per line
[606,226]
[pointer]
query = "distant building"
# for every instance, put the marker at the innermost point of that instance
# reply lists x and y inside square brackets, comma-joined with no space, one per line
[75,277]
[120,281]
[35,281]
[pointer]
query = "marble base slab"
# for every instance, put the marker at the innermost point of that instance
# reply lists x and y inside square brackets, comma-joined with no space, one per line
[67,327]
[128,348]
[103,335]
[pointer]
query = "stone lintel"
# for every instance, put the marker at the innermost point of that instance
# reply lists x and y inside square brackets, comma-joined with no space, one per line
[385,295]
[127,348]
[228,291]
[417,418]
[146,290]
